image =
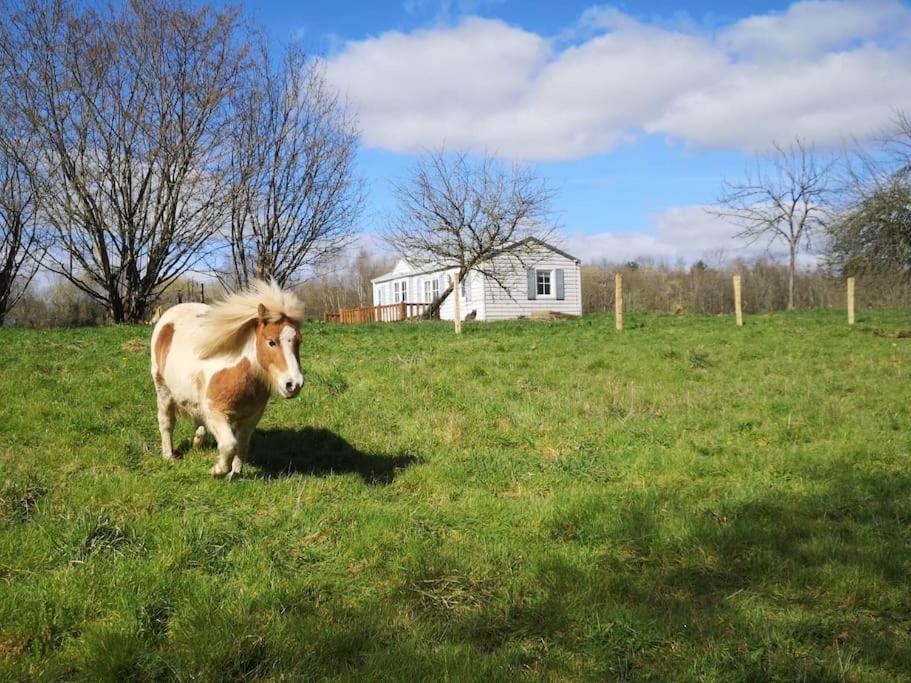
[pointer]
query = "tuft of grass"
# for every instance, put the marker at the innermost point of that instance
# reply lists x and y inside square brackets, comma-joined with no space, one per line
[333,382]
[20,503]
[105,537]
[683,500]
[699,359]
[136,345]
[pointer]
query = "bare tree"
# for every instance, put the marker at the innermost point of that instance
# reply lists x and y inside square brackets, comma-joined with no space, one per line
[873,231]
[458,212]
[785,198]
[20,246]
[295,199]
[128,107]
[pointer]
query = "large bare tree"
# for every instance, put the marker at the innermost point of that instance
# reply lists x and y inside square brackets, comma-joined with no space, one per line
[20,244]
[785,198]
[127,105]
[296,199]
[873,231]
[458,212]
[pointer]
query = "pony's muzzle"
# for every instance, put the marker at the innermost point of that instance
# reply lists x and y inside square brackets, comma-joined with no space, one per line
[293,387]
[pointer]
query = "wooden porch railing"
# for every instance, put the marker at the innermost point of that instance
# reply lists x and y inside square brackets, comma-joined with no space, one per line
[387,313]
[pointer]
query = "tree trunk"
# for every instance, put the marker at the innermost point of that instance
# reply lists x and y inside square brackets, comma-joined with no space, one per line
[115,308]
[791,267]
[435,305]
[457,312]
[4,300]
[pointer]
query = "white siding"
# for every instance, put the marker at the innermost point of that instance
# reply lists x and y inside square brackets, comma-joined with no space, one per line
[513,302]
[486,297]
[473,301]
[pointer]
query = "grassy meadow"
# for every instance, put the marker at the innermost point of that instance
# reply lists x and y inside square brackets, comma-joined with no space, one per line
[684,500]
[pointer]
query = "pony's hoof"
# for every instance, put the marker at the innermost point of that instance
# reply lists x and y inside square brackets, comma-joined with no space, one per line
[232,475]
[216,472]
[169,456]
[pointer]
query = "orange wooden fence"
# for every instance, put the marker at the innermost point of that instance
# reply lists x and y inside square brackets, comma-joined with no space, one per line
[377,314]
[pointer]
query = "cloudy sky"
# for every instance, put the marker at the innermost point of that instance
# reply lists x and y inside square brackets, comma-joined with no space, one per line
[634,112]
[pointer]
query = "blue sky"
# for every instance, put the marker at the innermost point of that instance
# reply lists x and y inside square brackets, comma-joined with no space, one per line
[634,112]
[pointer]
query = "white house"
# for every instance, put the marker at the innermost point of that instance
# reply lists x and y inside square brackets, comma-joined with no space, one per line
[535,276]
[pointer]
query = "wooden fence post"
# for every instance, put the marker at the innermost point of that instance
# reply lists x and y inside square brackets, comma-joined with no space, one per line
[738,309]
[850,300]
[618,301]
[456,303]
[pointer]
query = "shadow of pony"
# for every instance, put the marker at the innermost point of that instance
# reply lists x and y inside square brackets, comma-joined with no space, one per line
[321,452]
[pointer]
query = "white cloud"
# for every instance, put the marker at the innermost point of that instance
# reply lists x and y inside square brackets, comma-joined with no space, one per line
[681,233]
[829,100]
[812,27]
[824,70]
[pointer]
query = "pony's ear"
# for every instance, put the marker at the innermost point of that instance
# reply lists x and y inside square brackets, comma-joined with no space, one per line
[262,313]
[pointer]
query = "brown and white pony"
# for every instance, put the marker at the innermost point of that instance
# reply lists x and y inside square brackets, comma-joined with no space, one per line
[219,364]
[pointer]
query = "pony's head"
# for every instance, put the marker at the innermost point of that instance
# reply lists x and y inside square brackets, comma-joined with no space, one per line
[278,352]
[272,315]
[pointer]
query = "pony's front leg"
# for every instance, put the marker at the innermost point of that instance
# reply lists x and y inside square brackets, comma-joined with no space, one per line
[244,434]
[243,447]
[227,445]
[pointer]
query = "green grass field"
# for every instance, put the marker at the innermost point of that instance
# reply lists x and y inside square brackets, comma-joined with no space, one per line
[684,500]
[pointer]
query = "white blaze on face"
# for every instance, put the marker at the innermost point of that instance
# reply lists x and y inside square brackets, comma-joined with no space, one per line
[290,385]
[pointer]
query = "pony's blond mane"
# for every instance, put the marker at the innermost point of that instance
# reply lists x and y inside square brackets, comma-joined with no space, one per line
[224,328]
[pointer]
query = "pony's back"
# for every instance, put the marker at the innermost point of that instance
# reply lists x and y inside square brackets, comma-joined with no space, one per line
[183,317]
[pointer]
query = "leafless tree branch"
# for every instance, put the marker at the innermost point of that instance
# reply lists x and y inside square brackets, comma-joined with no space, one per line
[459,212]
[295,198]
[128,107]
[785,198]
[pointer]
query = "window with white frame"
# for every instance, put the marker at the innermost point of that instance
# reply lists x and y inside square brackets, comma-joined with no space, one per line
[435,289]
[400,291]
[545,283]
[427,292]
[379,295]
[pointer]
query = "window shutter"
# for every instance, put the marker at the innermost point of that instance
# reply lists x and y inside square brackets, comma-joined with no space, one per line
[532,284]
[559,274]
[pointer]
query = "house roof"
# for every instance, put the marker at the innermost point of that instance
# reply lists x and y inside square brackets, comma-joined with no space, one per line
[407,270]
[402,267]
[541,243]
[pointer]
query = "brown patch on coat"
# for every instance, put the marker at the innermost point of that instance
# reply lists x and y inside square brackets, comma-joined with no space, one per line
[237,391]
[163,345]
[272,356]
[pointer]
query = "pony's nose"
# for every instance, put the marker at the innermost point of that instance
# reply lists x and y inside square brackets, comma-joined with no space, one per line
[290,386]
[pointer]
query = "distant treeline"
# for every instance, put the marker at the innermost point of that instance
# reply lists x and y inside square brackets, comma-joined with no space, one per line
[345,283]
[647,286]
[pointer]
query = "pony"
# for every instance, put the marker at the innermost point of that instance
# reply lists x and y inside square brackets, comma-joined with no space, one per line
[219,364]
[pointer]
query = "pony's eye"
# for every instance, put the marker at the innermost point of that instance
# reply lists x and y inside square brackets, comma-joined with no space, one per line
[272,343]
